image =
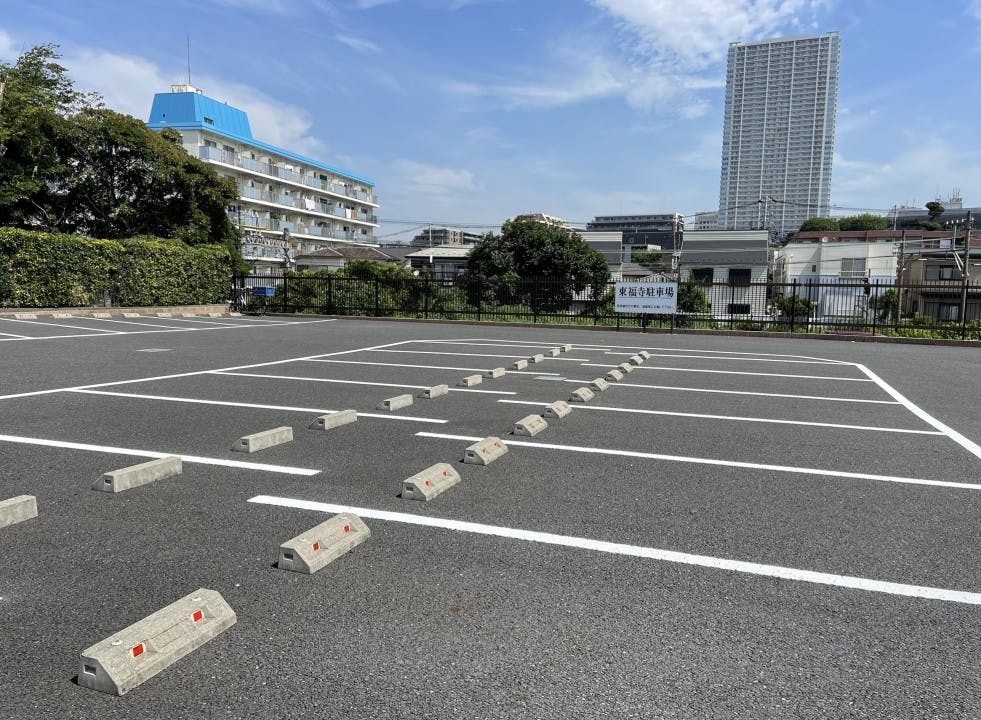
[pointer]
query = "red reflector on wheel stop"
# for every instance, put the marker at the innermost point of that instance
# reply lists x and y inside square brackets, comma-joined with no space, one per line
[138,650]
[196,617]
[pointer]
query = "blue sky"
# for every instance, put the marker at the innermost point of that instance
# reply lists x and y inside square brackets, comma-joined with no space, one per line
[470,111]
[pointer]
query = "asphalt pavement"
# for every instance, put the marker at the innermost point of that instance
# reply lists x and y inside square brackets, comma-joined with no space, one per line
[740,528]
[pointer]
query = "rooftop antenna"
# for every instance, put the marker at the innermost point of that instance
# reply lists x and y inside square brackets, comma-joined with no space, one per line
[189,59]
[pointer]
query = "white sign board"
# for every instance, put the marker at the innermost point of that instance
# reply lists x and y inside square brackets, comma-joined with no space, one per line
[655,298]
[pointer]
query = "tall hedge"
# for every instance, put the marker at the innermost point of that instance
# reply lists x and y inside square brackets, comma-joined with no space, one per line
[51,270]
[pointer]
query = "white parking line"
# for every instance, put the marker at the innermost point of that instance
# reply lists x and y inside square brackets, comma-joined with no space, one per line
[735,418]
[739,392]
[321,411]
[969,445]
[282,469]
[206,321]
[713,461]
[399,365]
[106,333]
[135,322]
[733,359]
[634,349]
[53,324]
[11,335]
[433,352]
[671,556]
[737,372]
[354,382]
[193,373]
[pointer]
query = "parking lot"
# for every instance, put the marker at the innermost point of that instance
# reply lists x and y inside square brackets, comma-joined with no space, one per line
[741,527]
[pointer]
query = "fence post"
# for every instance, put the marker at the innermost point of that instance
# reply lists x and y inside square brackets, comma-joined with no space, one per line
[286,293]
[807,318]
[875,306]
[479,299]
[376,297]
[729,309]
[330,295]
[793,305]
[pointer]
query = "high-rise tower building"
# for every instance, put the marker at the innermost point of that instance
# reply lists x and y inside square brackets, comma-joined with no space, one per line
[779,132]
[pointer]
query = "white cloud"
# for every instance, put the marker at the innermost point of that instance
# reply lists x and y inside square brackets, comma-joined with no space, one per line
[705,155]
[919,170]
[588,75]
[698,33]
[128,82]
[428,180]
[666,54]
[275,7]
[7,52]
[359,44]
[974,9]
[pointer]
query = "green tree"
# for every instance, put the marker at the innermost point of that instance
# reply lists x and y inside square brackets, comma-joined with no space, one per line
[790,306]
[934,211]
[865,221]
[819,223]
[691,298]
[536,264]
[38,102]
[885,305]
[131,180]
[650,259]
[73,166]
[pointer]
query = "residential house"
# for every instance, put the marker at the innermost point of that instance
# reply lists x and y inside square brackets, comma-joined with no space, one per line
[731,265]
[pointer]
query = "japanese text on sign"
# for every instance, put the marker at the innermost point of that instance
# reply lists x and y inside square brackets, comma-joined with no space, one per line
[646,297]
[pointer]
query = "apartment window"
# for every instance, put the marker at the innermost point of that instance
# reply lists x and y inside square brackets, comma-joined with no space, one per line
[948,312]
[702,276]
[739,276]
[852,267]
[942,272]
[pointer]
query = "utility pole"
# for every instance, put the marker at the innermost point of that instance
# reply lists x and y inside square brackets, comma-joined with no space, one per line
[900,262]
[966,273]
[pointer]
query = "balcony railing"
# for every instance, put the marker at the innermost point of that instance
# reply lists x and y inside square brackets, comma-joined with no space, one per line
[207,152]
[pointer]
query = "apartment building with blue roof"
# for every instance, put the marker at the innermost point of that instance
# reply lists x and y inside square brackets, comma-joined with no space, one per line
[289,205]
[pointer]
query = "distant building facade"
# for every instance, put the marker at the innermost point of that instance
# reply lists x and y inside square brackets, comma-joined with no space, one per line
[732,266]
[447,261]
[954,213]
[778,132]
[550,220]
[445,236]
[639,231]
[706,220]
[289,205]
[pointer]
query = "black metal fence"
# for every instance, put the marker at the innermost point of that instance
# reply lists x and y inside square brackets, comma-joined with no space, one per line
[942,309]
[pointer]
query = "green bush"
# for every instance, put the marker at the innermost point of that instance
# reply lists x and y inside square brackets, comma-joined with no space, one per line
[55,270]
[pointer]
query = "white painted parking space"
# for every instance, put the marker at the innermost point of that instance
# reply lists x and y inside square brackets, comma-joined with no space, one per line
[723,358]
[91,332]
[670,556]
[300,378]
[748,393]
[732,418]
[194,459]
[258,406]
[739,372]
[711,461]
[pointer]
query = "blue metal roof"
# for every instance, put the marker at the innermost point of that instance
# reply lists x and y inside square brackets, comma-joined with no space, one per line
[194,111]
